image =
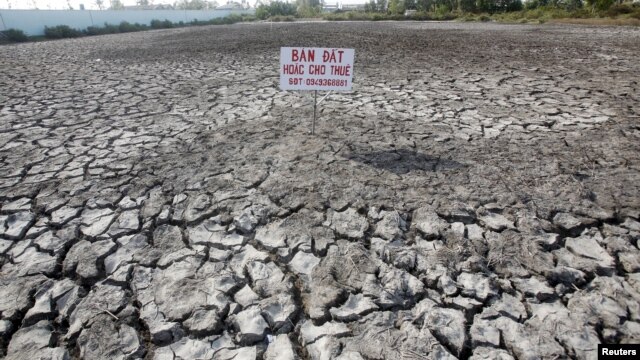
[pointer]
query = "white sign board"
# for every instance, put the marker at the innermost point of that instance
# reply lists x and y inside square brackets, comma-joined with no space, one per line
[316,68]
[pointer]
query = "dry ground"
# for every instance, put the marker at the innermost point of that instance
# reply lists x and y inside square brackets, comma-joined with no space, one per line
[475,196]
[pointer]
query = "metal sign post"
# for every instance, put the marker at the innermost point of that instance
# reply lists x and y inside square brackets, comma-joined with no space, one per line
[329,69]
[315,106]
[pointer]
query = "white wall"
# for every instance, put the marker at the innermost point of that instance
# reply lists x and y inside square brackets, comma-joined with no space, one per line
[32,22]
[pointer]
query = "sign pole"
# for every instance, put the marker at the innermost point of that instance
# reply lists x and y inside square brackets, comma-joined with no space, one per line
[315,105]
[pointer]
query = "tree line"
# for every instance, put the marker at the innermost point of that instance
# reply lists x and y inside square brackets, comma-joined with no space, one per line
[310,8]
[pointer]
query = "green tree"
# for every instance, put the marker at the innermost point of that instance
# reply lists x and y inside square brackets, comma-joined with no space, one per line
[396,7]
[275,8]
[370,6]
[467,5]
[309,8]
[600,4]
[424,5]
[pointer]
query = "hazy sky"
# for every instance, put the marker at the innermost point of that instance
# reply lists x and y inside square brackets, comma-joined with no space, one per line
[91,4]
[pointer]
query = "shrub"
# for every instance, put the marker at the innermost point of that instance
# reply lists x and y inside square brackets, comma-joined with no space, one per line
[127,27]
[110,29]
[61,32]
[233,18]
[619,9]
[441,10]
[107,29]
[94,30]
[15,35]
[601,4]
[158,24]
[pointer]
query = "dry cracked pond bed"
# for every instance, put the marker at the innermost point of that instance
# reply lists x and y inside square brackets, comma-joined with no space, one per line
[475,196]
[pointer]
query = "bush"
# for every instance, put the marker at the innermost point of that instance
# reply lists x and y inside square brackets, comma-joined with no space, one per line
[619,9]
[158,24]
[124,27]
[110,29]
[94,30]
[443,9]
[128,27]
[601,4]
[61,32]
[15,35]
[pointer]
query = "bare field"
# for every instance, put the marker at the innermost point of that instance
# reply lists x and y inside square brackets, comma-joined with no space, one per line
[476,196]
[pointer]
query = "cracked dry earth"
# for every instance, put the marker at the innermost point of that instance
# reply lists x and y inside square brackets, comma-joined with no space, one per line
[475,197]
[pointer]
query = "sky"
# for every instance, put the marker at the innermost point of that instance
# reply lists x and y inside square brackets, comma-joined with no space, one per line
[91,4]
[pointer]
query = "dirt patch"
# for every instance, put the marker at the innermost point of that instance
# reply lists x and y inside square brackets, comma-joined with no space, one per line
[477,189]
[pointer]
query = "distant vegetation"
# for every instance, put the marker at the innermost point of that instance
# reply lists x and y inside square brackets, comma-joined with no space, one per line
[64,31]
[61,32]
[464,10]
[276,8]
[607,11]
[597,12]
[15,35]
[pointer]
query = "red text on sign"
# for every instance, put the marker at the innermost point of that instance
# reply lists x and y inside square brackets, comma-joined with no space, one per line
[317,69]
[292,69]
[341,70]
[303,55]
[295,81]
[330,56]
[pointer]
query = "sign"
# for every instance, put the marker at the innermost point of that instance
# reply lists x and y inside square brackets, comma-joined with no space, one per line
[316,68]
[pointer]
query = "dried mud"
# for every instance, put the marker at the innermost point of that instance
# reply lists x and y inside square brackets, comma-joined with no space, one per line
[475,196]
